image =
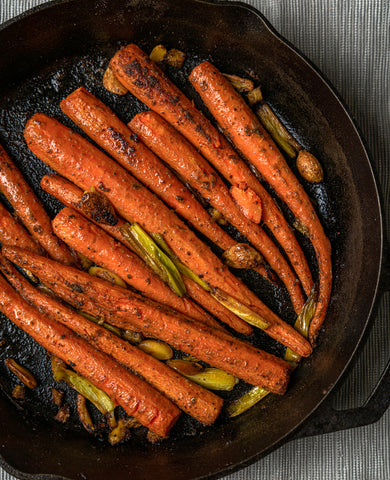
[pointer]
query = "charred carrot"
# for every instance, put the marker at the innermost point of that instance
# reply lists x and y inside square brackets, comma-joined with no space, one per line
[12,232]
[138,398]
[70,195]
[105,128]
[178,389]
[90,240]
[169,145]
[29,209]
[246,132]
[74,157]
[148,83]
[209,344]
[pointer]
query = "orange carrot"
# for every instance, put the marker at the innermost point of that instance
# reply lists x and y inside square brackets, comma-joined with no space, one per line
[246,132]
[13,233]
[90,240]
[148,83]
[75,158]
[105,128]
[29,209]
[86,166]
[130,310]
[169,145]
[178,389]
[70,195]
[138,398]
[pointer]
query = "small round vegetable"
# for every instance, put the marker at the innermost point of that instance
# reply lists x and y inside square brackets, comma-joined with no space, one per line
[242,255]
[112,84]
[309,167]
[158,54]
[175,58]
[159,350]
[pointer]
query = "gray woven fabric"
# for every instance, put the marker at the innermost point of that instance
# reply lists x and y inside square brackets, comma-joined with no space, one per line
[349,41]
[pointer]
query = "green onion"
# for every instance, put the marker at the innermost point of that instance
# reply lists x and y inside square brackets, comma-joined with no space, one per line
[117,331]
[83,386]
[239,309]
[183,269]
[149,251]
[302,324]
[247,401]
[277,130]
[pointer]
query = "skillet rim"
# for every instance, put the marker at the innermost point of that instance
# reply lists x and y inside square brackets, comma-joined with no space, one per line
[297,52]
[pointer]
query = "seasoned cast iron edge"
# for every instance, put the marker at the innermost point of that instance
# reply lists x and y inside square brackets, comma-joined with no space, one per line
[21,475]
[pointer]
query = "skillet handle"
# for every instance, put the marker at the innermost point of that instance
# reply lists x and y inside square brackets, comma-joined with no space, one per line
[326,419]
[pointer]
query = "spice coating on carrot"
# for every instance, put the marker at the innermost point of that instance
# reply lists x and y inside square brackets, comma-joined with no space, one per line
[246,132]
[148,83]
[169,145]
[90,240]
[74,157]
[105,128]
[209,344]
[12,232]
[29,209]
[191,398]
[70,195]
[137,398]
[79,161]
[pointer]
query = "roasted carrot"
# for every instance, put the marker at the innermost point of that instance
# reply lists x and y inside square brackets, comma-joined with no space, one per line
[246,132]
[105,128]
[138,398]
[74,157]
[148,83]
[70,195]
[90,240]
[178,389]
[12,232]
[169,145]
[29,209]
[130,310]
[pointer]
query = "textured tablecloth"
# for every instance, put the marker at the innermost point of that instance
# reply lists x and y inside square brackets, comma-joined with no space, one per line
[349,41]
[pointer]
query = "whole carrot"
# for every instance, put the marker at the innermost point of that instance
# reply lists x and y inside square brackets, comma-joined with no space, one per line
[130,310]
[177,388]
[170,146]
[90,240]
[86,166]
[70,195]
[29,209]
[138,398]
[75,158]
[105,128]
[246,132]
[12,232]
[148,83]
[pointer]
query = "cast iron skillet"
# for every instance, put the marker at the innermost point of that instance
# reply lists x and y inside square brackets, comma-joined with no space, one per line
[239,40]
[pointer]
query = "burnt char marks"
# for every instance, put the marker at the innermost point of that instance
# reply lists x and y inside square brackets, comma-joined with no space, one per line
[120,142]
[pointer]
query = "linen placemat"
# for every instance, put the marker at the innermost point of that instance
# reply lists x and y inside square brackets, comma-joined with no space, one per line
[349,41]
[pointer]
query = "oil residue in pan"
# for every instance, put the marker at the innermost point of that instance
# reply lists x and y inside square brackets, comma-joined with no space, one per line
[43,93]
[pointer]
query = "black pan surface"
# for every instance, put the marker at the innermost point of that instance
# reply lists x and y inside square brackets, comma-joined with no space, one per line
[54,49]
